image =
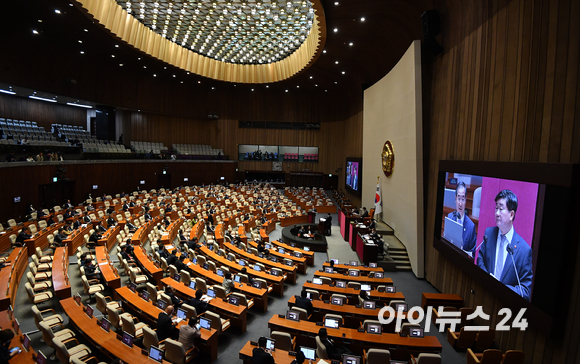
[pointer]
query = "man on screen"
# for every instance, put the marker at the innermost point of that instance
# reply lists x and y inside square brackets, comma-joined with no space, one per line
[459,215]
[502,241]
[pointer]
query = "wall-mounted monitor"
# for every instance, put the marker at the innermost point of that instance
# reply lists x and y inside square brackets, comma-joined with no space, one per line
[508,226]
[16,199]
[142,182]
[353,175]
[186,179]
[54,179]
[95,187]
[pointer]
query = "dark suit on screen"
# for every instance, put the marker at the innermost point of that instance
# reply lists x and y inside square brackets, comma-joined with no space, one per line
[469,233]
[522,259]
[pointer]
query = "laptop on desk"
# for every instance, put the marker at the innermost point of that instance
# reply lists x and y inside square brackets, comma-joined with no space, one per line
[453,232]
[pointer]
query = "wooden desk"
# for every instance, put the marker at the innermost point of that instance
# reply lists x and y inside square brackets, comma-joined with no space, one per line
[441,299]
[293,220]
[40,239]
[300,262]
[361,279]
[150,312]
[276,282]
[383,297]
[25,356]
[110,274]
[366,252]
[242,234]
[238,315]
[60,281]
[10,276]
[309,255]
[197,230]
[219,233]
[260,296]
[107,342]
[345,267]
[290,271]
[269,226]
[306,331]
[280,356]
[142,233]
[148,266]
[109,238]
[77,238]
[171,232]
[5,243]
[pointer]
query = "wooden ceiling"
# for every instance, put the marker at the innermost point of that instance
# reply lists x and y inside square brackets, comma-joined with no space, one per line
[114,73]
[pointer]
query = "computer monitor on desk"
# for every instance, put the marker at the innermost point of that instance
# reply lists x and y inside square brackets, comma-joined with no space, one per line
[205,323]
[127,339]
[309,353]
[331,323]
[351,359]
[292,315]
[156,354]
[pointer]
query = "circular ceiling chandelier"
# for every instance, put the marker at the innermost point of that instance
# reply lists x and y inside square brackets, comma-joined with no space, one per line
[248,41]
[234,31]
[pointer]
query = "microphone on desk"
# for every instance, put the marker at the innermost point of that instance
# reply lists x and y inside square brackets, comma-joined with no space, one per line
[510,250]
[480,244]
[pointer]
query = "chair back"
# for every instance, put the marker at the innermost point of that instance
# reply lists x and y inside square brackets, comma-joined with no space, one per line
[61,351]
[101,303]
[47,334]
[149,338]
[128,324]
[378,356]
[220,291]
[85,284]
[32,268]
[37,316]
[466,339]
[190,311]
[320,349]
[30,277]
[484,340]
[513,357]
[172,270]
[200,284]
[185,277]
[152,289]
[174,351]
[30,292]
[406,327]
[427,358]
[302,312]
[491,356]
[283,340]
[355,285]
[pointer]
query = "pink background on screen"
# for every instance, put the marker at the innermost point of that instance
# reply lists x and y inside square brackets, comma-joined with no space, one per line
[527,194]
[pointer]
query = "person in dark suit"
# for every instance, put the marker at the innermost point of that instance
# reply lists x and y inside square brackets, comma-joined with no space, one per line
[68,205]
[179,263]
[77,224]
[95,237]
[304,302]
[500,242]
[131,204]
[197,303]
[162,252]
[67,214]
[147,215]
[86,218]
[365,212]
[175,301]
[22,236]
[261,355]
[59,237]
[125,254]
[165,327]
[91,271]
[172,258]
[111,221]
[332,350]
[125,207]
[110,210]
[469,233]
[210,219]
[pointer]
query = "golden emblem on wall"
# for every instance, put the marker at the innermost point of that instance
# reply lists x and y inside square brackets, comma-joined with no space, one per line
[388,158]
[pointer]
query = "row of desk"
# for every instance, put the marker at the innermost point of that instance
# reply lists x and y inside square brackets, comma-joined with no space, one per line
[11,275]
[60,281]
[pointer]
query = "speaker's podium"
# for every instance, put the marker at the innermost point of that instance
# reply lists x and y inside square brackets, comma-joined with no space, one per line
[324,225]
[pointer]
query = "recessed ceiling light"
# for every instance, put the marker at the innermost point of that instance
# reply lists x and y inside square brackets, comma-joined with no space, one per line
[40,20]
[324,51]
[252,90]
[325,90]
[34,31]
[173,75]
[181,81]
[69,4]
[198,81]
[154,75]
[336,82]
[57,11]
[336,3]
[335,30]
[336,62]
[286,90]
[112,55]
[116,46]
[213,88]
[82,52]
[120,65]
[297,86]
[316,85]
[86,30]
[351,44]
[343,72]
[139,58]
[310,77]
[80,41]
[362,19]
[267,86]
[144,66]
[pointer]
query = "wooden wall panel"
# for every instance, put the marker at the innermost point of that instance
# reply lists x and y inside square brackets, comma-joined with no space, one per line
[111,177]
[505,89]
[44,113]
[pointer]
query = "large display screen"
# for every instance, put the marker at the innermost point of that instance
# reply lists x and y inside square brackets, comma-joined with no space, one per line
[353,181]
[492,222]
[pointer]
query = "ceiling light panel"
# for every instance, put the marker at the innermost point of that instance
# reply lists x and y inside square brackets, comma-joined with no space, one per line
[233,31]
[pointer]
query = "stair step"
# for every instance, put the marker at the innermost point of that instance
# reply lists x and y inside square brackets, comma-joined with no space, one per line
[403,267]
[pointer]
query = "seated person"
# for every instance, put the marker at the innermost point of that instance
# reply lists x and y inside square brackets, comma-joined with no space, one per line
[179,265]
[86,218]
[91,271]
[227,283]
[77,224]
[22,236]
[95,237]
[172,258]
[197,303]
[166,327]
[188,333]
[303,302]
[162,252]
[261,355]
[59,237]
[125,255]
[111,221]
[334,352]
